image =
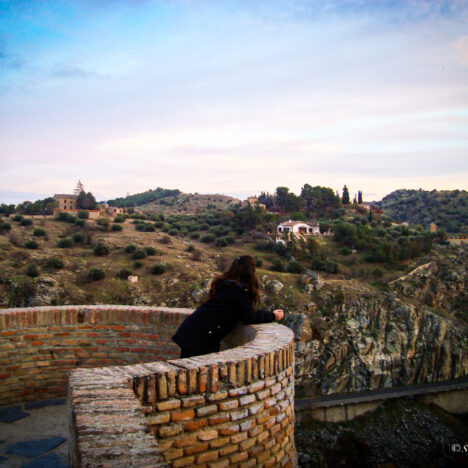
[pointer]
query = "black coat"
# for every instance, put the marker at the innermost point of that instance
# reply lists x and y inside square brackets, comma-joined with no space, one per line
[214,319]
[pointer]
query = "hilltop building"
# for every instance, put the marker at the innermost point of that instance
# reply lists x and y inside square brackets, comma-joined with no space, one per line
[65,201]
[253,201]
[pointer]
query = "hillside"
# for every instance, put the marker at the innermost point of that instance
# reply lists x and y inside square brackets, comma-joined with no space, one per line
[447,208]
[174,201]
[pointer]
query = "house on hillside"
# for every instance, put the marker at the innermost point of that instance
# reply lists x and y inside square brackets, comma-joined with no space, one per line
[298,228]
[432,227]
[253,201]
[65,201]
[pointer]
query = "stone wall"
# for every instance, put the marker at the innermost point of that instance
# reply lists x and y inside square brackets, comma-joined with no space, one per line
[233,408]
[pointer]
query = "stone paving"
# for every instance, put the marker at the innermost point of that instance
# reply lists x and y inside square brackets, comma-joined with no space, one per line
[34,435]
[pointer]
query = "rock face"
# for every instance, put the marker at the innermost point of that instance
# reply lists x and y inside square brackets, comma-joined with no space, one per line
[361,340]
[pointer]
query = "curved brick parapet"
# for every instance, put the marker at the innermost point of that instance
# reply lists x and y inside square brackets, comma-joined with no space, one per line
[232,408]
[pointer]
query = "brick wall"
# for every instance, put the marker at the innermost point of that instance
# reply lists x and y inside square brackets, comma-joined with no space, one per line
[39,346]
[233,408]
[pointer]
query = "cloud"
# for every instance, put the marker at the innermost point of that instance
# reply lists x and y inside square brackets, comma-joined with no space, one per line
[73,72]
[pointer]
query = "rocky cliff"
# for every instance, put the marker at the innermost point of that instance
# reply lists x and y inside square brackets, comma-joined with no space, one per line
[355,338]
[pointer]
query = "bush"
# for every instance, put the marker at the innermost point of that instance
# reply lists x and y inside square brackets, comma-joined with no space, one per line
[83,214]
[124,273]
[258,262]
[39,232]
[208,238]
[138,264]
[20,292]
[277,265]
[195,235]
[70,218]
[120,218]
[79,222]
[78,237]
[62,216]
[165,240]
[139,254]
[173,232]
[26,222]
[150,250]
[130,248]
[54,263]
[158,269]
[18,218]
[196,255]
[116,227]
[31,244]
[32,271]
[96,274]
[295,267]
[230,239]
[4,226]
[101,249]
[221,242]
[64,243]
[104,223]
[190,248]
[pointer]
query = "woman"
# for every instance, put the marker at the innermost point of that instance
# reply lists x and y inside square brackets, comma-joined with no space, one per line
[233,296]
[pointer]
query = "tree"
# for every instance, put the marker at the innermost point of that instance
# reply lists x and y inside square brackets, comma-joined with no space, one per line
[345,197]
[79,188]
[359,195]
[86,201]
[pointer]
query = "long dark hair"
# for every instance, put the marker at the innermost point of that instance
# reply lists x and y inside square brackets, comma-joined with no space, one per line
[242,269]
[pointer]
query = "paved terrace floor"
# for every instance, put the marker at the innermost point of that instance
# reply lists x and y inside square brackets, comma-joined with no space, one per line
[34,435]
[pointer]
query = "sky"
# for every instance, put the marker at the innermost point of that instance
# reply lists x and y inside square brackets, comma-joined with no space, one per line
[232,97]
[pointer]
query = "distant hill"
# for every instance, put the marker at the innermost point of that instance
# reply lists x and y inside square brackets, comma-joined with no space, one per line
[447,208]
[173,201]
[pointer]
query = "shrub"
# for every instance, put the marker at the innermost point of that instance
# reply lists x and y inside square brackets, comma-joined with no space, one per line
[173,232]
[4,226]
[150,250]
[138,264]
[96,274]
[116,227]
[62,216]
[130,248]
[295,267]
[18,218]
[78,237]
[258,262]
[196,255]
[190,248]
[139,254]
[377,273]
[124,273]
[277,265]
[158,269]
[230,239]
[70,218]
[221,242]
[345,251]
[100,249]
[83,214]
[31,244]
[32,271]
[79,222]
[208,238]
[26,222]
[39,232]
[195,235]
[165,240]
[104,223]
[64,243]
[54,263]
[120,218]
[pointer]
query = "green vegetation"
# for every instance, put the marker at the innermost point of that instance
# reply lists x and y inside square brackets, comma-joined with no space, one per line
[54,263]
[158,269]
[39,232]
[116,227]
[101,249]
[65,243]
[83,214]
[31,244]
[86,201]
[446,208]
[95,274]
[124,273]
[144,197]
[32,271]
[4,226]
[39,207]
[130,248]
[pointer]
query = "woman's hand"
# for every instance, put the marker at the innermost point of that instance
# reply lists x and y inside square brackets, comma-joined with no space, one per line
[279,314]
